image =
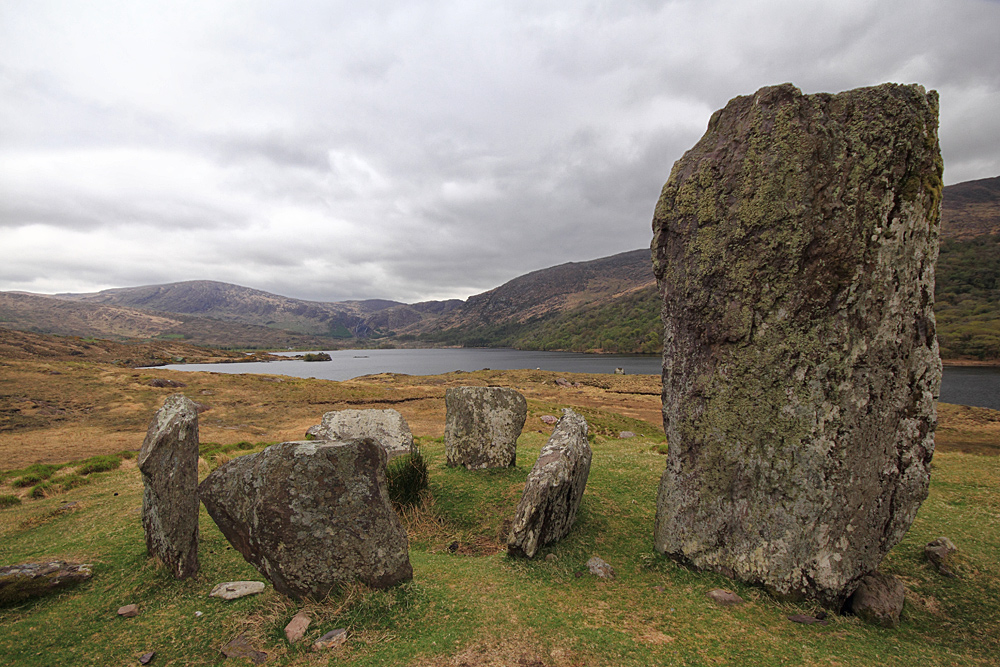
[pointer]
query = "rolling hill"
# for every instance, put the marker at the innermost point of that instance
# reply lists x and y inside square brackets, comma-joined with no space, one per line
[604,305]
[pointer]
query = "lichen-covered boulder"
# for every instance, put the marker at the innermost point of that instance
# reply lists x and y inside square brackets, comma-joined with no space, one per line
[387,427]
[555,486]
[311,515]
[794,248]
[482,425]
[168,461]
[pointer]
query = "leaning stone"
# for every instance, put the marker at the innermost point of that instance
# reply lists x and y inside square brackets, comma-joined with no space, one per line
[552,494]
[240,647]
[724,598]
[128,611]
[482,425]
[600,568]
[31,580]
[296,628]
[795,247]
[942,554]
[332,639]
[234,590]
[311,515]
[387,427]
[878,600]
[168,461]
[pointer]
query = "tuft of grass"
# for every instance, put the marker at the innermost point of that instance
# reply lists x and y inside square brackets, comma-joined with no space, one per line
[9,500]
[98,464]
[43,490]
[406,477]
[127,454]
[68,482]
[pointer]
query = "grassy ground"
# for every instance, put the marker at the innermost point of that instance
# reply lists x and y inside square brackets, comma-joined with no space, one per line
[472,605]
[468,604]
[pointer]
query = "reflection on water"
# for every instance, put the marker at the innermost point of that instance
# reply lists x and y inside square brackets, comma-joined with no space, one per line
[965,386]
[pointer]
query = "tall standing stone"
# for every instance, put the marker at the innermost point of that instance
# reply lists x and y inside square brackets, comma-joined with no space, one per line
[482,425]
[552,494]
[794,247]
[168,461]
[311,515]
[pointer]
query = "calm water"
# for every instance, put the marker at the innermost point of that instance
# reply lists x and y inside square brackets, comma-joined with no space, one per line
[965,386]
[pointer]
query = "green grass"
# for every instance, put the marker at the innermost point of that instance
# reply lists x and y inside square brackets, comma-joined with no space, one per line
[471,604]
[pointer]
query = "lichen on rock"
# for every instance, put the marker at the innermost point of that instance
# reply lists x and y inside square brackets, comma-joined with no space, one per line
[794,248]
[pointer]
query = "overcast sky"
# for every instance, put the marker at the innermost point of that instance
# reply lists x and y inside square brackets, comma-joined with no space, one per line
[411,150]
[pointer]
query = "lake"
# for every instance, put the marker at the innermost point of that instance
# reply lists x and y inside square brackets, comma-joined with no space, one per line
[961,385]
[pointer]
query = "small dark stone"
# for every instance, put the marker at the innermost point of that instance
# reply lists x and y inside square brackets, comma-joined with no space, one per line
[147,658]
[878,600]
[241,648]
[942,555]
[453,547]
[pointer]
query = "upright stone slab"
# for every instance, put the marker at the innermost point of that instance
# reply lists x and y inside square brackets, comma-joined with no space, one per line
[168,461]
[387,427]
[311,515]
[794,247]
[482,425]
[552,494]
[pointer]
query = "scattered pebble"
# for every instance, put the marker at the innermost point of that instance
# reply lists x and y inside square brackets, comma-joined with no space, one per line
[147,658]
[626,434]
[297,627]
[725,598]
[198,614]
[128,611]
[600,568]
[233,590]
[332,639]
[241,648]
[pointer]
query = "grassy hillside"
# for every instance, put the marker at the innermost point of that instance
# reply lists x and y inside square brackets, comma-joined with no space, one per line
[968,298]
[468,604]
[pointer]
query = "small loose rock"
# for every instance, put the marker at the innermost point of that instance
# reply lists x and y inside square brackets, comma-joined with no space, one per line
[296,628]
[241,648]
[233,590]
[941,554]
[332,639]
[725,598]
[551,558]
[624,435]
[128,611]
[147,658]
[549,419]
[600,568]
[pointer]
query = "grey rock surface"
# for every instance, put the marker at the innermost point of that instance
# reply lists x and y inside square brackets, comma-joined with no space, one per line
[878,600]
[168,461]
[552,494]
[482,425]
[234,590]
[794,248]
[128,611]
[600,568]
[29,580]
[387,427]
[332,639]
[311,515]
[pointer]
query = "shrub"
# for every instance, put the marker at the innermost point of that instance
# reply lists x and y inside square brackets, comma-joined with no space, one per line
[98,464]
[9,499]
[35,473]
[406,477]
[127,454]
